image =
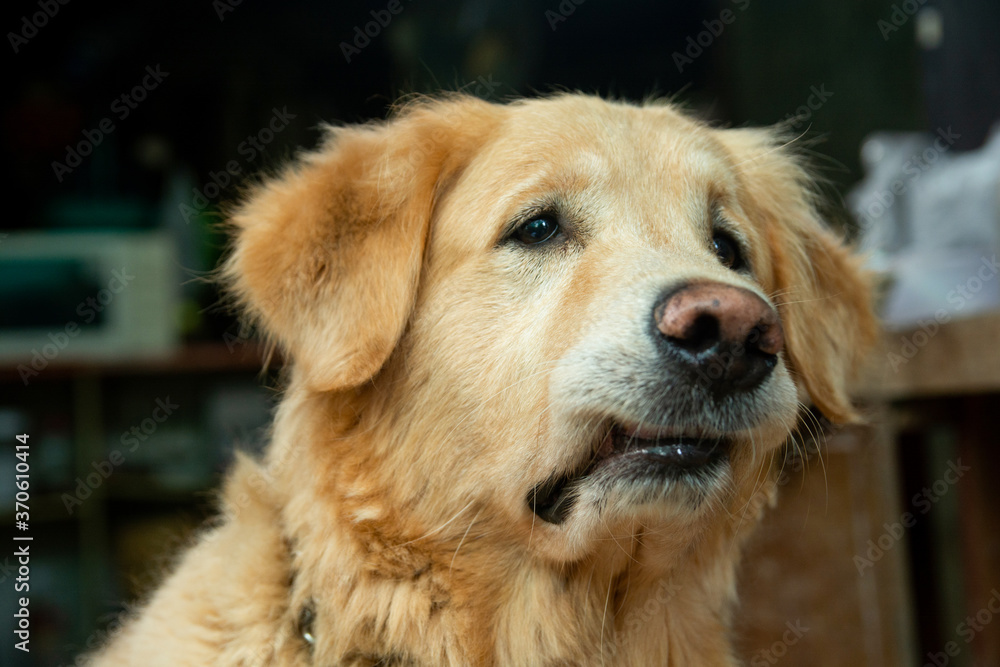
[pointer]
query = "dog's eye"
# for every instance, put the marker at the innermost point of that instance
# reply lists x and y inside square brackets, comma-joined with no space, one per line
[728,251]
[537,230]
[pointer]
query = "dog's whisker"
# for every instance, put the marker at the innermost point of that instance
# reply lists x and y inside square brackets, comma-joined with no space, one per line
[772,150]
[604,618]
[815,430]
[439,528]
[814,299]
[627,574]
[615,540]
[763,471]
[783,291]
[462,541]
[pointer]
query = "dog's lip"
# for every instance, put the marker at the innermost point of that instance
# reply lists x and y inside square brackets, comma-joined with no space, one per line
[680,447]
[633,450]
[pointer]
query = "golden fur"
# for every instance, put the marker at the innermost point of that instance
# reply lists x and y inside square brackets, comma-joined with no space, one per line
[438,375]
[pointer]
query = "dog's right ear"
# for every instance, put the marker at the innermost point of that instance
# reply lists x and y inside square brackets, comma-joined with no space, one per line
[327,255]
[824,293]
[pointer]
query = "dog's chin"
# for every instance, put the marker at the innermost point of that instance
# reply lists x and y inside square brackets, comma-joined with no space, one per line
[638,468]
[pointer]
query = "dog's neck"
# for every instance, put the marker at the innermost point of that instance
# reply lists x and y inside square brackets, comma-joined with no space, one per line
[466,593]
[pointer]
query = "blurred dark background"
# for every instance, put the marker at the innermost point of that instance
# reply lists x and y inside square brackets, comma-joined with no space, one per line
[127,125]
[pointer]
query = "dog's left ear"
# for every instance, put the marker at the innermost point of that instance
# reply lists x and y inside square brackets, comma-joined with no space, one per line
[824,295]
[327,255]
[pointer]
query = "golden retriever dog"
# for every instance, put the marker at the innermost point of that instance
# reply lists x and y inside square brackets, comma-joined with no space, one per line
[543,359]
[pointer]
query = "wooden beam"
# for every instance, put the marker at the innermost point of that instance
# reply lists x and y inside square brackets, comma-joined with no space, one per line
[959,357]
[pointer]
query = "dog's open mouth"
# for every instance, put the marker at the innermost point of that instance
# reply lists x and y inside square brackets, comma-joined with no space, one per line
[634,453]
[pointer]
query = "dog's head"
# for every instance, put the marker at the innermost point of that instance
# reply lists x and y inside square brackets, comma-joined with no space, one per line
[568,312]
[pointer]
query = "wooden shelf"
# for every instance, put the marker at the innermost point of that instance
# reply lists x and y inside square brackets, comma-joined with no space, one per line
[191,358]
[962,357]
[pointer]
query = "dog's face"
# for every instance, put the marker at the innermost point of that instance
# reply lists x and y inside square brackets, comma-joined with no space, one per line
[572,316]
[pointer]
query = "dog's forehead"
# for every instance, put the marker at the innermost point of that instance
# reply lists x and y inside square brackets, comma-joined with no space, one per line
[624,135]
[645,162]
[580,142]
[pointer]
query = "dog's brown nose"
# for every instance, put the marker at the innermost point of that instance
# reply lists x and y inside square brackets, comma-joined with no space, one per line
[728,335]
